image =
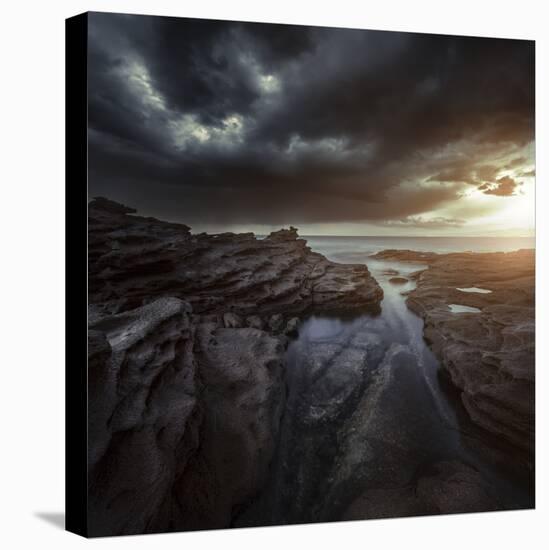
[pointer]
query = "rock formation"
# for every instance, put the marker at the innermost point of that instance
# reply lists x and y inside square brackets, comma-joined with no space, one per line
[133,260]
[450,487]
[187,336]
[398,280]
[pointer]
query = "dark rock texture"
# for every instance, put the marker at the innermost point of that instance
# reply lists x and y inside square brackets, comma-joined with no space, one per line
[489,355]
[451,487]
[241,373]
[143,418]
[187,337]
[133,260]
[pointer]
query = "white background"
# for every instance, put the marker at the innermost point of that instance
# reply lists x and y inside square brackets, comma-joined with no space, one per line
[32,274]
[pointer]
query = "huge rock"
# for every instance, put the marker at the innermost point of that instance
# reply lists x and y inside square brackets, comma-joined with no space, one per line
[133,260]
[241,371]
[183,419]
[143,420]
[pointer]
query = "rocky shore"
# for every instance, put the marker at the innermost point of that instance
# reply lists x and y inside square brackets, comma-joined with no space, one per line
[206,412]
[187,336]
[487,347]
[133,260]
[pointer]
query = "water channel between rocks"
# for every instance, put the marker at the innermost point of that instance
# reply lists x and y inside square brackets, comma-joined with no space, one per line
[367,415]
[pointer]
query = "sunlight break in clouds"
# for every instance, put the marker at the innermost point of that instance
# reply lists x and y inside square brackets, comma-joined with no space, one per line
[333,130]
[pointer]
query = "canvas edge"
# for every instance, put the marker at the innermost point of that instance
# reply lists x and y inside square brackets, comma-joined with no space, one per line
[76,157]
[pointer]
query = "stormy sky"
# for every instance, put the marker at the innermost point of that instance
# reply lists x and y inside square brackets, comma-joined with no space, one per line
[249,126]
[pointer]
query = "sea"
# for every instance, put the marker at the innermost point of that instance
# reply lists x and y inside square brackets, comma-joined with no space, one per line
[345,248]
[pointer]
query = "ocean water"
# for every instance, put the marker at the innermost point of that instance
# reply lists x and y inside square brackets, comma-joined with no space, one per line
[358,248]
[367,411]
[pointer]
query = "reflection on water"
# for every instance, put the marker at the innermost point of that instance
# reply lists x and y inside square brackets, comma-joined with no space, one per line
[366,411]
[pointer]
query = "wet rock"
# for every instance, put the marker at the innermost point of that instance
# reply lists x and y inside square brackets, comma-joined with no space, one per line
[338,378]
[331,376]
[398,280]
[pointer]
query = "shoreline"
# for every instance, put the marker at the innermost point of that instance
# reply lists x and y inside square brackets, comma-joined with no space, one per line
[474,347]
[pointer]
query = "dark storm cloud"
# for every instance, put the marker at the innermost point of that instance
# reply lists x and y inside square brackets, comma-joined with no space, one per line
[251,123]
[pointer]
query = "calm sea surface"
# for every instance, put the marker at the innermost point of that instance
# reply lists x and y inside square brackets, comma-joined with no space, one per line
[354,248]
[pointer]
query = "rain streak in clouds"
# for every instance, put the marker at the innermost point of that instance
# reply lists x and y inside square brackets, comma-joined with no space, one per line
[228,124]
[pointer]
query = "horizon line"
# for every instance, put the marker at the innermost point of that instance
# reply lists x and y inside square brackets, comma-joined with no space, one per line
[416,236]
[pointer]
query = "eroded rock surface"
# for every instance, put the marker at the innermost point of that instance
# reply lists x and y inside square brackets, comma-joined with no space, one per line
[241,400]
[143,418]
[489,355]
[187,336]
[450,487]
[133,260]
